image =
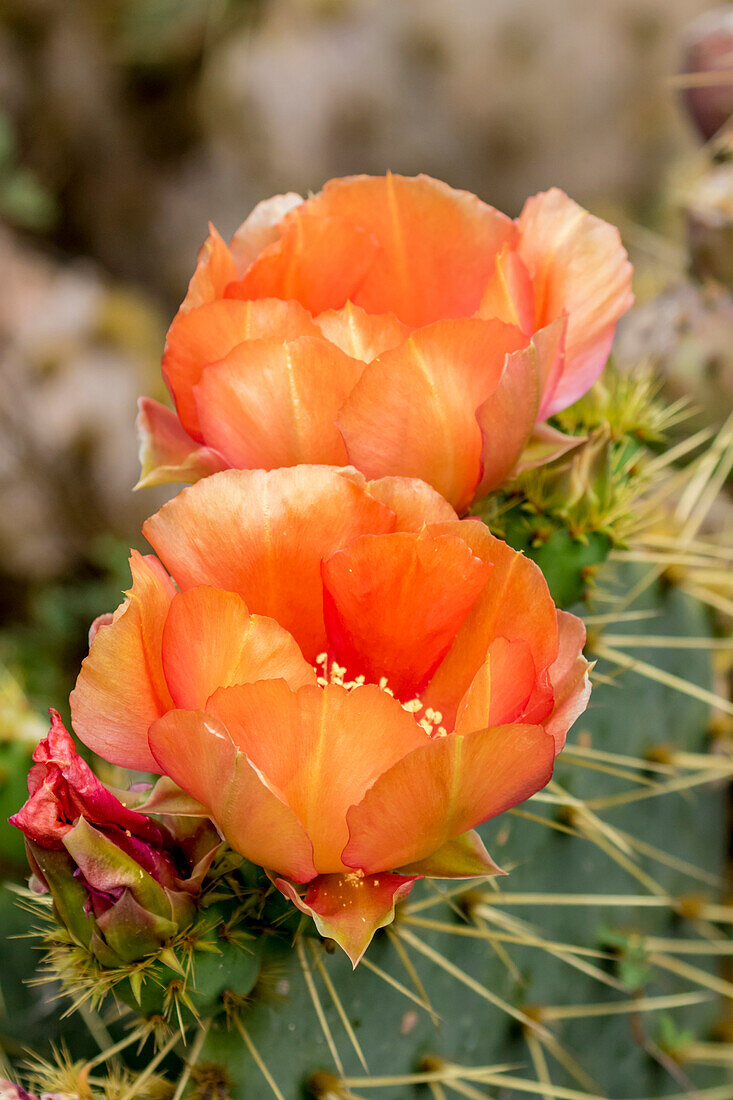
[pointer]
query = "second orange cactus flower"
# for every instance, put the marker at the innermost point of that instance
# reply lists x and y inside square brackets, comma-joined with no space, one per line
[345,675]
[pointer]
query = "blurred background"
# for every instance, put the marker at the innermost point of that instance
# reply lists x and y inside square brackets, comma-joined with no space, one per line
[126,125]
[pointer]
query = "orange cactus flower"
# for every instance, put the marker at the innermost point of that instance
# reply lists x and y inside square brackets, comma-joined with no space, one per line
[389,323]
[344,674]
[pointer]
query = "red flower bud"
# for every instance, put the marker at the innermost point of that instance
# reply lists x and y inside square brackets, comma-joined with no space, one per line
[121,882]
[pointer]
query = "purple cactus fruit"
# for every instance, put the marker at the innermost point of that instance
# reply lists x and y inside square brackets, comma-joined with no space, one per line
[707,62]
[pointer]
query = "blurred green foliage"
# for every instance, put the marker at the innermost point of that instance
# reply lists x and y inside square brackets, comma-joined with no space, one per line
[24,202]
[47,641]
[40,653]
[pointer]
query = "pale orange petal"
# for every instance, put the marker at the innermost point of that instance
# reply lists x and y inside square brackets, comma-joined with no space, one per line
[320,748]
[263,535]
[394,603]
[196,751]
[509,295]
[579,267]
[443,789]
[360,334]
[318,261]
[167,452]
[207,334]
[515,604]
[413,412]
[261,229]
[215,269]
[211,640]
[438,245]
[349,909]
[570,678]
[500,690]
[270,403]
[121,688]
[413,502]
[549,345]
[507,418]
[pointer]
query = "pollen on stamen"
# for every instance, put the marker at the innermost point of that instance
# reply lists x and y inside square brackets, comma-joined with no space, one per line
[336,674]
[384,686]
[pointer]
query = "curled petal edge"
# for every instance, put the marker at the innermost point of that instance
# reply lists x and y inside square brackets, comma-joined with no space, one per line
[167,452]
[570,678]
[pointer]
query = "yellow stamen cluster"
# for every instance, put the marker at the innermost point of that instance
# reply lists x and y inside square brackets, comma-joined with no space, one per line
[336,674]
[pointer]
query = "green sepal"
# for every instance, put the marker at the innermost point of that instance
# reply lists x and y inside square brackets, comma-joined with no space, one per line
[106,866]
[133,932]
[464,856]
[56,868]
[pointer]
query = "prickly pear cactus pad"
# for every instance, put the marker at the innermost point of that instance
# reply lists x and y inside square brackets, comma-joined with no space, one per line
[336,813]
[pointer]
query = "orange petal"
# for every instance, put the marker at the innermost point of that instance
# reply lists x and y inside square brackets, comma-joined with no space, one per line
[263,535]
[515,604]
[198,754]
[215,269]
[500,690]
[579,267]
[507,418]
[413,412]
[443,789]
[413,502]
[350,908]
[509,295]
[261,229]
[270,403]
[549,346]
[438,245]
[362,335]
[319,262]
[394,603]
[121,688]
[207,334]
[167,452]
[320,748]
[570,678]
[210,641]
[464,856]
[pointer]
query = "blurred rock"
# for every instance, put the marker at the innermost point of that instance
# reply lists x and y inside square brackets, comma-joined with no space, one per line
[459,90]
[705,195]
[147,119]
[74,354]
[686,332]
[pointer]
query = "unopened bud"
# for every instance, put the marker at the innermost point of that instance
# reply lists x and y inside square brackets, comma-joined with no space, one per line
[122,884]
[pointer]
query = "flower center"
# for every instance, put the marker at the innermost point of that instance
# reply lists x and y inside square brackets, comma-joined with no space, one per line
[334,673]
